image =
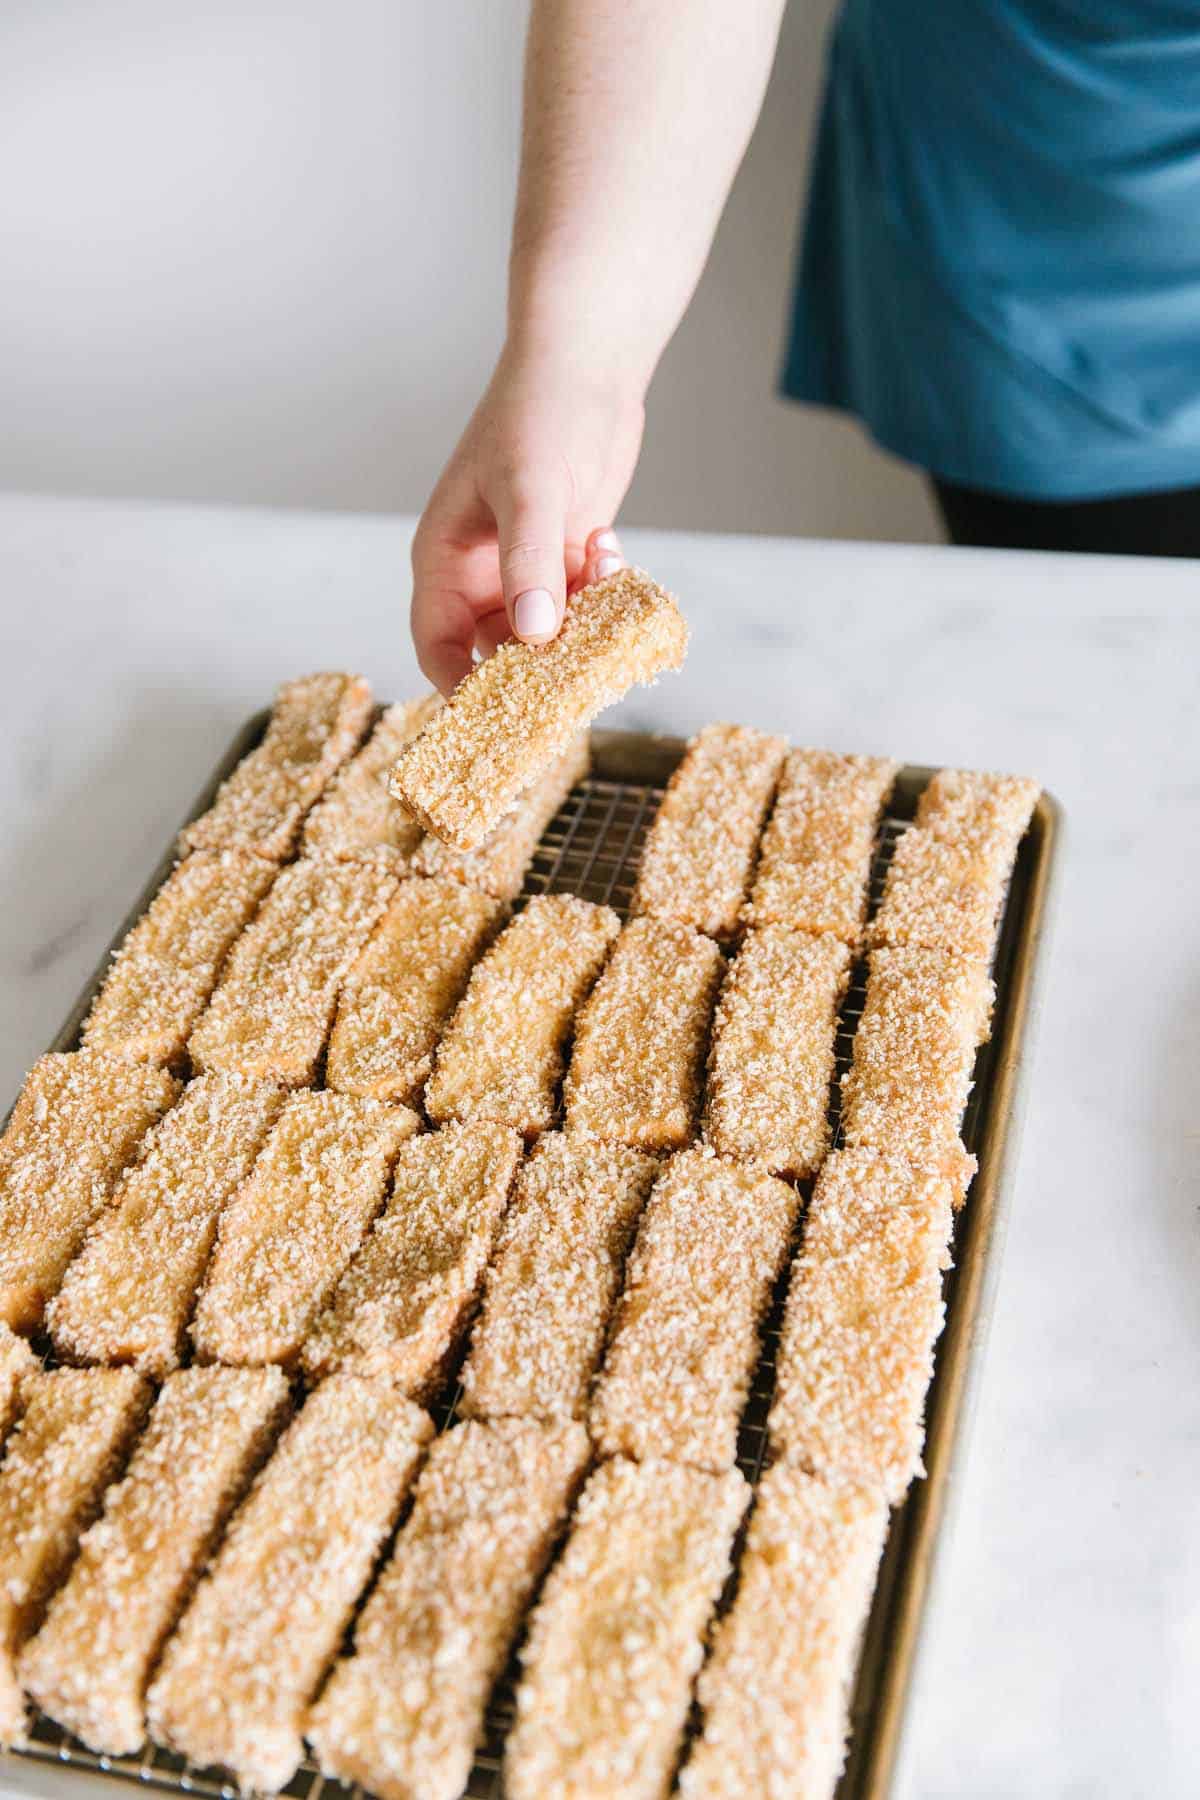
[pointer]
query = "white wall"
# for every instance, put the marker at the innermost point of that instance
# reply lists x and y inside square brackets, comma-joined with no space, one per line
[254,251]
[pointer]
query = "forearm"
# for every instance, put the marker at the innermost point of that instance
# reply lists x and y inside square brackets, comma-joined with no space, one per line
[637,114]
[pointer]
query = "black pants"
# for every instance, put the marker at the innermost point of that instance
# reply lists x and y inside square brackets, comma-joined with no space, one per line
[1162,524]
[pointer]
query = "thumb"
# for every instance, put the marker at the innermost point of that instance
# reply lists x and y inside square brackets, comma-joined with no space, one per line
[531,527]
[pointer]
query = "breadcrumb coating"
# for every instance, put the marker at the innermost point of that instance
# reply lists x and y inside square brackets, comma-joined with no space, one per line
[775,1692]
[926,1013]
[356,818]
[89,1664]
[995,808]
[79,1121]
[498,866]
[636,1069]
[272,1011]
[236,1678]
[17,1364]
[772,1056]
[618,1634]
[316,723]
[403,1713]
[520,708]
[404,1301]
[502,1054]
[406,983]
[699,855]
[290,1231]
[163,975]
[554,1278]
[711,1243]
[864,1311]
[817,848]
[128,1295]
[69,1444]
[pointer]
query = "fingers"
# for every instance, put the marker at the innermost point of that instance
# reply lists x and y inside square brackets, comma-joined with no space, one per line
[603,554]
[443,629]
[531,525]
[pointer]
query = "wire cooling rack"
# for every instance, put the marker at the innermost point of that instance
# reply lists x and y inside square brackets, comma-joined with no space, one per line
[592,849]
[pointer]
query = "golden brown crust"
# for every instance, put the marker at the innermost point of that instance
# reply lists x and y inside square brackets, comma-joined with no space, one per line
[699,855]
[676,1377]
[80,1120]
[89,1664]
[816,850]
[864,1311]
[163,975]
[402,1714]
[498,866]
[772,1056]
[315,724]
[128,1295]
[925,1015]
[356,818]
[236,1678]
[402,1303]
[290,1231]
[776,1689]
[502,1054]
[17,1364]
[520,707]
[71,1441]
[617,1636]
[272,1012]
[398,996]
[993,809]
[554,1277]
[636,1066]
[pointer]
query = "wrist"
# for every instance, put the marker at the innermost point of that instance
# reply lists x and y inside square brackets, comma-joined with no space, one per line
[582,325]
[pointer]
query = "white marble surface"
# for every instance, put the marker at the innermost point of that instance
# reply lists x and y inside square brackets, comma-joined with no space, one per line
[1065,1651]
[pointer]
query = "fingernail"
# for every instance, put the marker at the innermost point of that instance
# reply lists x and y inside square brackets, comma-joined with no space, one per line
[535,614]
[606,540]
[607,565]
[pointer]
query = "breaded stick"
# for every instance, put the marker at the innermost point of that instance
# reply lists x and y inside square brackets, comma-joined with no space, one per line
[520,708]
[498,866]
[128,1295]
[639,1045]
[316,723]
[79,1121]
[502,1055]
[618,1634]
[554,1278]
[17,1364]
[236,1679]
[401,1306]
[864,1310]
[995,809]
[165,971]
[776,1689]
[404,986]
[948,874]
[772,1055]
[72,1438]
[271,1014]
[816,850]
[402,1714]
[699,856]
[712,1240]
[356,818]
[291,1229]
[926,1013]
[89,1664]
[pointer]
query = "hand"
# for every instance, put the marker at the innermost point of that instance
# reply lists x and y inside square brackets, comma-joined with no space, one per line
[522,514]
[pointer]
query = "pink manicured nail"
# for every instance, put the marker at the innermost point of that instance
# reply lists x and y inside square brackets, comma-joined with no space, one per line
[607,565]
[535,614]
[606,540]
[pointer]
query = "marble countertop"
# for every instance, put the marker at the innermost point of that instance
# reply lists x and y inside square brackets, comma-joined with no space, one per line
[1064,1655]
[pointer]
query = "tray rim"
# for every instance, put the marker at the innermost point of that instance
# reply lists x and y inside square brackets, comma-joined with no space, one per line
[879,1747]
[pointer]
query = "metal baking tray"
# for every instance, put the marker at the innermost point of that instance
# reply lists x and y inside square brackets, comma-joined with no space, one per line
[592,848]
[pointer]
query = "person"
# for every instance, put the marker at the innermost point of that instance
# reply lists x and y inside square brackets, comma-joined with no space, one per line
[999,276]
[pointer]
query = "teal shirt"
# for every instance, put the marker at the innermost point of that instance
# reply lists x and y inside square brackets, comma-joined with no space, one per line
[1000,270]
